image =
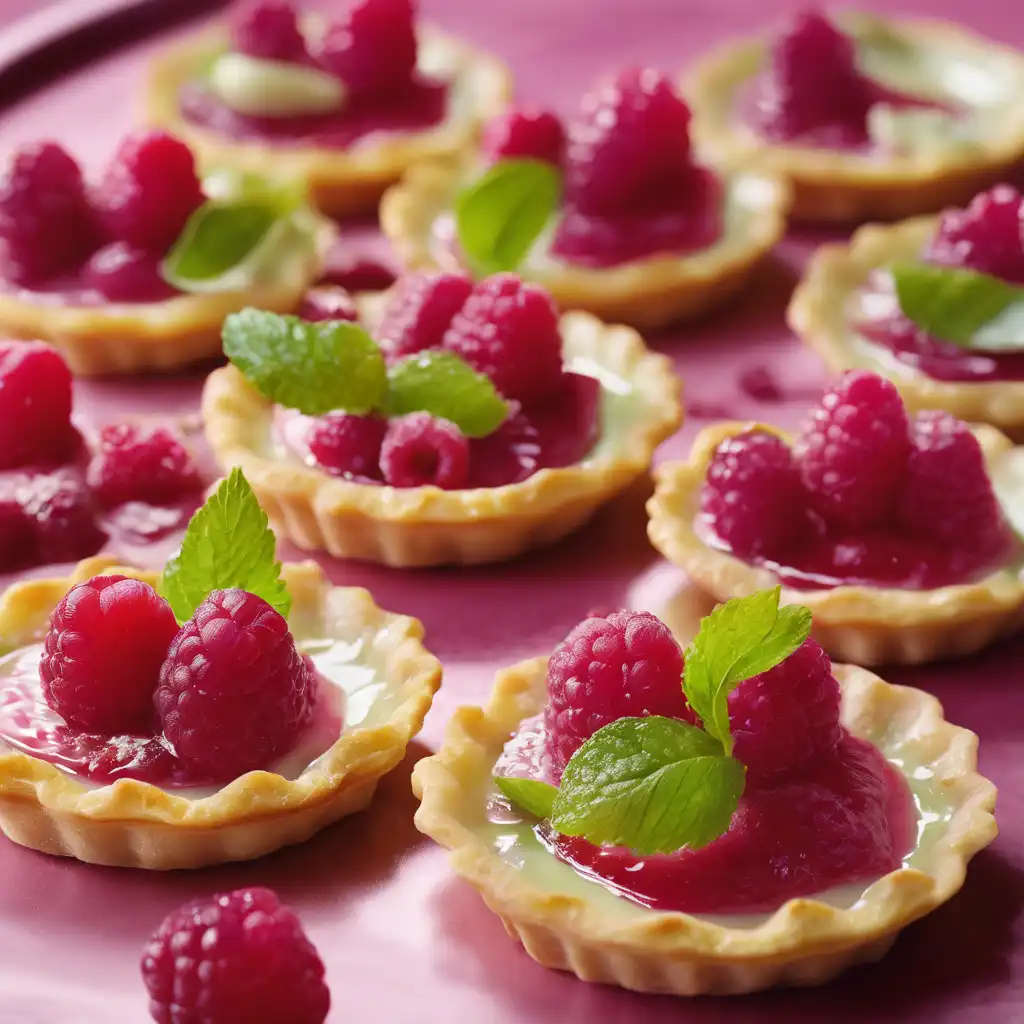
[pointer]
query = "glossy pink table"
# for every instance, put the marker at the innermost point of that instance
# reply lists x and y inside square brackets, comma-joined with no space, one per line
[404,941]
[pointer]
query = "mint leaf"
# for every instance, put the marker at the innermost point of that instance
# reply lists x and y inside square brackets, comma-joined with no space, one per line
[532,795]
[652,784]
[501,215]
[313,367]
[954,304]
[228,544]
[739,639]
[445,385]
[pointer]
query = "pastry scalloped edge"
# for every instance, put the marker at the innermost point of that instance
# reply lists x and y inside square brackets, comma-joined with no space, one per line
[818,310]
[866,625]
[647,293]
[836,185]
[341,181]
[422,526]
[805,942]
[135,824]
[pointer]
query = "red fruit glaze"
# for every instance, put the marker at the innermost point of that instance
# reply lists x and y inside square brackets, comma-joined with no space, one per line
[234,958]
[16,536]
[61,513]
[533,134]
[509,331]
[419,312]
[625,665]
[420,450]
[328,303]
[348,445]
[268,29]
[138,463]
[102,654]
[357,273]
[234,693]
[35,405]
[123,273]
[373,46]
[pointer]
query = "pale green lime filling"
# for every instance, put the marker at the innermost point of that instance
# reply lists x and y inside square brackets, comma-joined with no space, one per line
[269,88]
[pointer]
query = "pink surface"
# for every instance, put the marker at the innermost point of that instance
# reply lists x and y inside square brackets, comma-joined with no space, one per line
[404,940]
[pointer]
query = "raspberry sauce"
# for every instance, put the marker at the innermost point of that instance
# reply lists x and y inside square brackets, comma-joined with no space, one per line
[85,288]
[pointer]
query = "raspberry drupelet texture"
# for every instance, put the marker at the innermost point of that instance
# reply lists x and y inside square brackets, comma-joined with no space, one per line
[102,654]
[373,46]
[420,310]
[625,665]
[234,958]
[420,450]
[328,302]
[752,496]
[268,29]
[123,273]
[853,451]
[234,693]
[509,331]
[533,134]
[348,445]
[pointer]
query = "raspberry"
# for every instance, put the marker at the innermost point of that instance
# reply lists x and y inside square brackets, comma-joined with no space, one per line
[45,224]
[787,717]
[348,445]
[752,496]
[16,539]
[988,236]
[103,651]
[122,273]
[356,273]
[268,29]
[328,303]
[234,958]
[537,134]
[420,310]
[509,331]
[62,514]
[853,451]
[148,192]
[140,463]
[625,665]
[234,694]
[35,404]
[629,146]
[373,48]
[420,451]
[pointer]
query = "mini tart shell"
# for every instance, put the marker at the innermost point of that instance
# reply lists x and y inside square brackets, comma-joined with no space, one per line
[342,182]
[136,824]
[842,186]
[805,942]
[865,625]
[647,294]
[421,526]
[818,314]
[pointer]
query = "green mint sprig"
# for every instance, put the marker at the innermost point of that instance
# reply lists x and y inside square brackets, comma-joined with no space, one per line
[658,784]
[228,544]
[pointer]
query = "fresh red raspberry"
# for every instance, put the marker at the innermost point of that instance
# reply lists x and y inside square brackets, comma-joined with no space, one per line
[102,654]
[373,47]
[988,236]
[752,495]
[35,404]
[16,538]
[268,29]
[62,513]
[630,145]
[624,666]
[853,451]
[122,273]
[149,190]
[421,451]
[419,311]
[787,717]
[328,302]
[348,445]
[46,227]
[234,694]
[534,134]
[141,463]
[509,331]
[234,958]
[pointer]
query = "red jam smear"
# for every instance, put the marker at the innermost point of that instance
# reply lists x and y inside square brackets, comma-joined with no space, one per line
[75,290]
[29,725]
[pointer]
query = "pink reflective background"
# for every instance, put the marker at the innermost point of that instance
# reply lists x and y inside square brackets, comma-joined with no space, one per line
[403,940]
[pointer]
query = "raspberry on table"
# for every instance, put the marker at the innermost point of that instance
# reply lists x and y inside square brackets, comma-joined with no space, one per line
[420,450]
[134,462]
[752,496]
[533,134]
[234,693]
[348,445]
[625,665]
[124,273]
[853,451]
[419,311]
[372,48]
[788,717]
[268,29]
[328,302]
[62,513]
[102,654]
[46,227]
[148,192]
[509,331]
[234,958]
